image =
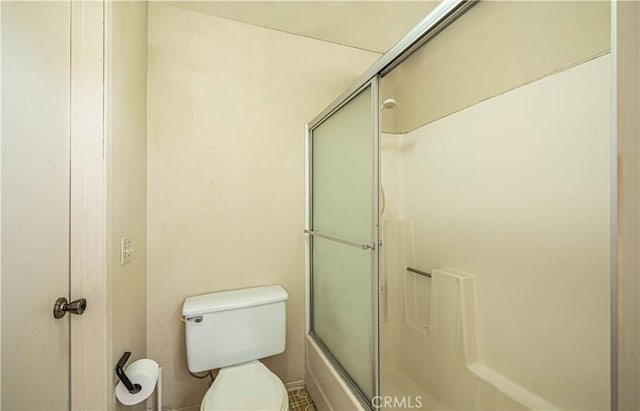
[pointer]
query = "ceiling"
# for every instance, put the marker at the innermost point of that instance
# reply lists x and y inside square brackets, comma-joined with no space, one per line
[368,25]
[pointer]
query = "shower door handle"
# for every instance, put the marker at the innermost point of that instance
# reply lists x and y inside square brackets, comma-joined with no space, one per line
[62,306]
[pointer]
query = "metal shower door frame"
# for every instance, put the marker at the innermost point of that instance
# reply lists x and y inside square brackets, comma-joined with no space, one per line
[373,247]
[443,15]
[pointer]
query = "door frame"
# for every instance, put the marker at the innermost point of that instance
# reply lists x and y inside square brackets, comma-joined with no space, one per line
[90,374]
[88,269]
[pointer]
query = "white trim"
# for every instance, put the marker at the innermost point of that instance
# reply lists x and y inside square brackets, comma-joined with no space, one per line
[294,385]
[194,407]
[613,256]
[90,374]
[0,203]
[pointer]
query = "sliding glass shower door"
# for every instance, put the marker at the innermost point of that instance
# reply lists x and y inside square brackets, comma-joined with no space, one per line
[343,234]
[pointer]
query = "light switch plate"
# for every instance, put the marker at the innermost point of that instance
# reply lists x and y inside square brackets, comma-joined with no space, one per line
[125,250]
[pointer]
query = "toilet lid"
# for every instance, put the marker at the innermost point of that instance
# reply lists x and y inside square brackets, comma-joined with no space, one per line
[248,386]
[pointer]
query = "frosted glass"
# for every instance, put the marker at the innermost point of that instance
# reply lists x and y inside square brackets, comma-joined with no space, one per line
[342,307]
[342,171]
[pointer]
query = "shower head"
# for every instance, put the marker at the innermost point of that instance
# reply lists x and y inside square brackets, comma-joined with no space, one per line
[389,103]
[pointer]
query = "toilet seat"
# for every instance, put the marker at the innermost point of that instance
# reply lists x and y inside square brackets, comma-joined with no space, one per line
[248,386]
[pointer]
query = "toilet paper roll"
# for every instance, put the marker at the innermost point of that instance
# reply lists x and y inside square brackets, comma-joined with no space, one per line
[143,372]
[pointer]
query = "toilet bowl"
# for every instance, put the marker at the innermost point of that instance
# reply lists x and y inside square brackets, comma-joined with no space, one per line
[248,386]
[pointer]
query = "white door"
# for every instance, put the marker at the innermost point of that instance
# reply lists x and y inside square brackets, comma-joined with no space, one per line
[35,124]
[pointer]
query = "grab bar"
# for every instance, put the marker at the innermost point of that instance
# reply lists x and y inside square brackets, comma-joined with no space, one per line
[420,272]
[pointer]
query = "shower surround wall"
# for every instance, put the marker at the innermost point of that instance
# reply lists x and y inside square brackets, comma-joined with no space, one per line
[227,105]
[513,191]
[497,165]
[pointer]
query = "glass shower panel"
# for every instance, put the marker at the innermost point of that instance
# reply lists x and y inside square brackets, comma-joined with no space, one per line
[496,222]
[342,171]
[342,307]
[342,254]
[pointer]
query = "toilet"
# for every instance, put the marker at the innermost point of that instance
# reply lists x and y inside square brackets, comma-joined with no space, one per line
[232,330]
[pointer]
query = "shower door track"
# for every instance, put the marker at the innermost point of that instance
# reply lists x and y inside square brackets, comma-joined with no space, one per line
[436,21]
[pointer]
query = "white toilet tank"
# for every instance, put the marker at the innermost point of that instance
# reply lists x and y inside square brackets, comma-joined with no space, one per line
[232,327]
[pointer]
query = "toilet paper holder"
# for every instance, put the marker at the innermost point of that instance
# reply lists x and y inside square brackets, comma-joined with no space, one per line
[133,388]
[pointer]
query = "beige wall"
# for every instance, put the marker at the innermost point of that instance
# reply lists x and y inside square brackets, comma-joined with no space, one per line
[380,24]
[629,201]
[514,191]
[227,107]
[494,47]
[126,88]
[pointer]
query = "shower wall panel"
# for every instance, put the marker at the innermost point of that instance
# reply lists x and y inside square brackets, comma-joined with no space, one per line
[515,192]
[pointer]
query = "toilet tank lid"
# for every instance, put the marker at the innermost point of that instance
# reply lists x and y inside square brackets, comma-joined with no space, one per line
[229,300]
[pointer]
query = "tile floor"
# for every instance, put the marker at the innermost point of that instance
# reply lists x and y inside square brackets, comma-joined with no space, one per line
[300,400]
